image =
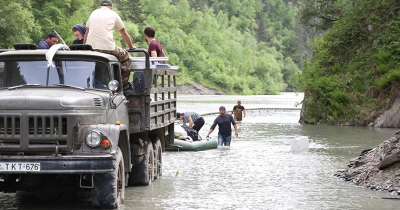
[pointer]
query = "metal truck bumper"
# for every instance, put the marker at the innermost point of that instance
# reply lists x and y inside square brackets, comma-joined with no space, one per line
[56,165]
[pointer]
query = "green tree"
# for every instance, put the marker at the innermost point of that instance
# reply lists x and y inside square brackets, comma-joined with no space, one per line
[17,13]
[320,14]
[353,76]
[236,46]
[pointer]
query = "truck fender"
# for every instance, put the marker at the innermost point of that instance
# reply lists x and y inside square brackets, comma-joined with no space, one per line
[118,135]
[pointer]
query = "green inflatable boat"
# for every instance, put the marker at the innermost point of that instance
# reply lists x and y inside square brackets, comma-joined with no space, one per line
[188,145]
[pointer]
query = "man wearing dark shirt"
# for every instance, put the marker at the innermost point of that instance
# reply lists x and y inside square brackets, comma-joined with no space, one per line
[50,40]
[237,111]
[224,122]
[79,31]
[155,48]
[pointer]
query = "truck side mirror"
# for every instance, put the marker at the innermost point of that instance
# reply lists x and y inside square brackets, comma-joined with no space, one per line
[113,86]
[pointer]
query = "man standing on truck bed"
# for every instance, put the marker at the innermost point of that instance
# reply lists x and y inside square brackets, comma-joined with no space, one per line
[99,34]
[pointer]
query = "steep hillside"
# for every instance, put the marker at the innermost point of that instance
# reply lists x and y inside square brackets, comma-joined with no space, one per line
[354,74]
[234,46]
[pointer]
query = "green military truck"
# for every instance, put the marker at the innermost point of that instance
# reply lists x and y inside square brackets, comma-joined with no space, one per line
[66,124]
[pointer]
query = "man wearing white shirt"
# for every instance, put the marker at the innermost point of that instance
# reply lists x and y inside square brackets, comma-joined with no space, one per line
[99,34]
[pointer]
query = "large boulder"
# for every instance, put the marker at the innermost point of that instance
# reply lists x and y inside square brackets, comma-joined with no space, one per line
[378,168]
[390,118]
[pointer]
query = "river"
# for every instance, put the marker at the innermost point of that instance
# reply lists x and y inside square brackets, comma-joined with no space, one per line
[257,172]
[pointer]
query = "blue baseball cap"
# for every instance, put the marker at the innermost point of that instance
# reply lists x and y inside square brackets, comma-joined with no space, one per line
[222,108]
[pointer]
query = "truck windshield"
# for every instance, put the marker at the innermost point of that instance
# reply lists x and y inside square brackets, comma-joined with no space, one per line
[85,74]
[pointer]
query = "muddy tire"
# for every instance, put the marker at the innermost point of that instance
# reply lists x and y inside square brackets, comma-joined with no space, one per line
[157,158]
[143,173]
[109,188]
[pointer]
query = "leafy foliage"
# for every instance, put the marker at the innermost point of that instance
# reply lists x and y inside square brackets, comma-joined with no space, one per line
[16,14]
[320,14]
[355,67]
[236,46]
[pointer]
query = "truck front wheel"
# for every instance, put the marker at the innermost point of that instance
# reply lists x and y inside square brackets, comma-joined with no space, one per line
[109,188]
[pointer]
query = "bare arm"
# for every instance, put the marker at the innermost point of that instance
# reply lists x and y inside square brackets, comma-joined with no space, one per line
[127,38]
[236,130]
[244,112]
[153,54]
[86,35]
[190,122]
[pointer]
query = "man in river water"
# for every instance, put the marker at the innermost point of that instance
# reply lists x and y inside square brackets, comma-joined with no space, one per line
[237,111]
[224,122]
[194,119]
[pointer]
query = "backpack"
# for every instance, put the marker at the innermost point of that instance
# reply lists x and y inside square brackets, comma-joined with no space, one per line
[192,133]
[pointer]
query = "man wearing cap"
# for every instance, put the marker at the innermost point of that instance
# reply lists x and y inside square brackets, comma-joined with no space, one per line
[50,40]
[194,119]
[99,34]
[224,122]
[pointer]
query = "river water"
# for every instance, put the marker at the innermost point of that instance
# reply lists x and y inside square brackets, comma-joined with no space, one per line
[258,172]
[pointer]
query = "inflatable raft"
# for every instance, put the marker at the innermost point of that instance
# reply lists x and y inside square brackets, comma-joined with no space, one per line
[189,145]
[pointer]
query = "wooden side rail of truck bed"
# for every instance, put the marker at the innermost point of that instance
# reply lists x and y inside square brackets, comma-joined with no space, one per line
[152,102]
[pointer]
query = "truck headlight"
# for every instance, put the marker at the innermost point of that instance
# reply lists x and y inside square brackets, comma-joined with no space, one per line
[93,138]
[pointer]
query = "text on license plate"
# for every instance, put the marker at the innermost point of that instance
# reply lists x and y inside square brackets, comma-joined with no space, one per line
[19,167]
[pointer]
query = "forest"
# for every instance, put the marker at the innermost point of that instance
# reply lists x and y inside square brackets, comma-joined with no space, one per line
[235,46]
[354,73]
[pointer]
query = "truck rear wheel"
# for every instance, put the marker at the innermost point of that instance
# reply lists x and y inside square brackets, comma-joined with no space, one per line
[109,188]
[157,158]
[143,173]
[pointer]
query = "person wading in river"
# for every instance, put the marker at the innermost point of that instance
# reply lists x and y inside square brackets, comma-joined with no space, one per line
[224,122]
[237,111]
[194,119]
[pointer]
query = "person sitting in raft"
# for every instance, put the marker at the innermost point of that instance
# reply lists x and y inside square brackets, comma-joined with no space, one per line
[237,111]
[194,119]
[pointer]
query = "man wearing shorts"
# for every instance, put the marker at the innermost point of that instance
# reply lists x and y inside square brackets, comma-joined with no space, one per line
[224,122]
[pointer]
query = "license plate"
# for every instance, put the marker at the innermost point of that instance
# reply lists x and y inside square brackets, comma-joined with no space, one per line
[19,167]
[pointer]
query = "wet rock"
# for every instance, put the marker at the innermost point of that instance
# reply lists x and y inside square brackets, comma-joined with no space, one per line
[390,118]
[377,168]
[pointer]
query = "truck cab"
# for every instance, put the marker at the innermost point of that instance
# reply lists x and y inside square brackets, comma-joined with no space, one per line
[66,124]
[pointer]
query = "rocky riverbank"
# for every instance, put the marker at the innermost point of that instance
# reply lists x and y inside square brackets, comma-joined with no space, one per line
[378,168]
[197,89]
